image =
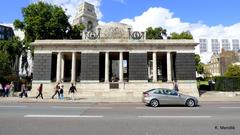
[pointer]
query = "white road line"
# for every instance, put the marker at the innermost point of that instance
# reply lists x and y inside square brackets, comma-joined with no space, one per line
[61,116]
[230,107]
[13,106]
[83,107]
[173,117]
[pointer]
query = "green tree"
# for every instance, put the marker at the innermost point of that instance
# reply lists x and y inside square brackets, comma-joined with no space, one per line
[198,64]
[4,63]
[156,33]
[11,50]
[43,21]
[233,70]
[182,35]
[76,31]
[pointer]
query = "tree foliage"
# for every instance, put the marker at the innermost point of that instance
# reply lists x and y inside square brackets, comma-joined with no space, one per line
[198,64]
[76,31]
[10,52]
[43,21]
[182,35]
[156,33]
[233,70]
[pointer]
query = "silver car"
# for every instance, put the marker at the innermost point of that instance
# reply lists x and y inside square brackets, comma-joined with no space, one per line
[157,96]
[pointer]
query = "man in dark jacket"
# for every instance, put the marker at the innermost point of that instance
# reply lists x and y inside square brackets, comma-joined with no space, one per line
[72,90]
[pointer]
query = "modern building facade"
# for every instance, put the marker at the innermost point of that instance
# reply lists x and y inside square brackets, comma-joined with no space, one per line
[216,45]
[6,32]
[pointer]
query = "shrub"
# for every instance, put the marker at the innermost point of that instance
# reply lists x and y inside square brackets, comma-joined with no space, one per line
[227,83]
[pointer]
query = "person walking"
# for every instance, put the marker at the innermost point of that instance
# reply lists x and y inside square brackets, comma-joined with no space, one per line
[6,90]
[11,89]
[175,85]
[1,90]
[23,91]
[56,91]
[72,90]
[40,88]
[61,92]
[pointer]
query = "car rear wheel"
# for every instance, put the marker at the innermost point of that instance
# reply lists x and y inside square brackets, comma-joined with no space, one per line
[190,103]
[154,103]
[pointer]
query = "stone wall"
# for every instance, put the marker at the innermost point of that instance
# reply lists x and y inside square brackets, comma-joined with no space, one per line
[89,67]
[42,66]
[185,66]
[138,66]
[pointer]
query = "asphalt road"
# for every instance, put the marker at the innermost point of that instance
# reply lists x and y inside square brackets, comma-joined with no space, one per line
[211,118]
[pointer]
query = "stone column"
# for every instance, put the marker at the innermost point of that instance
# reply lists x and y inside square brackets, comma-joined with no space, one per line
[107,67]
[121,67]
[169,70]
[58,73]
[62,68]
[154,67]
[73,73]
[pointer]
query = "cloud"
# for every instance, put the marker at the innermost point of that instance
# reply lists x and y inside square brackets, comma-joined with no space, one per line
[71,6]
[121,1]
[17,33]
[158,16]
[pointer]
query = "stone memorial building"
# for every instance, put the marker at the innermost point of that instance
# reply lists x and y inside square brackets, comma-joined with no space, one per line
[112,57]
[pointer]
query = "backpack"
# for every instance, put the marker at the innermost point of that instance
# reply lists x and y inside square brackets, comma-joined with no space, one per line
[61,91]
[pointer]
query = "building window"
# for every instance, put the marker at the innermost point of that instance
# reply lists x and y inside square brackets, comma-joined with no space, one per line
[225,44]
[235,44]
[215,46]
[203,45]
[1,36]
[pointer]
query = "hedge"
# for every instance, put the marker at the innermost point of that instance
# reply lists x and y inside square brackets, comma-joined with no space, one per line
[227,83]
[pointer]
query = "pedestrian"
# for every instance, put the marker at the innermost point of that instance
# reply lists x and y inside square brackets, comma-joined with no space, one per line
[175,85]
[72,90]
[61,92]
[23,91]
[56,90]
[40,88]
[11,89]
[6,90]
[1,90]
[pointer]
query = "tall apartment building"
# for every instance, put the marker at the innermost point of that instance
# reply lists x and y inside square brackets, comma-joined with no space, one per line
[216,45]
[6,32]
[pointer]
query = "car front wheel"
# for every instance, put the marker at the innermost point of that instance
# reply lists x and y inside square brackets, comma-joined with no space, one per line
[154,103]
[190,103]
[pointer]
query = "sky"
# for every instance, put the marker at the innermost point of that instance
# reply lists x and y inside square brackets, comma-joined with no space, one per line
[203,18]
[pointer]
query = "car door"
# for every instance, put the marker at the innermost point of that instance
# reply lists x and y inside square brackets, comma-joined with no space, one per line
[161,96]
[172,97]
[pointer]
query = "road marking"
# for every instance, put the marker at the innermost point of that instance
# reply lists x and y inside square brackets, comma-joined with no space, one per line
[13,106]
[228,107]
[83,107]
[61,116]
[173,117]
